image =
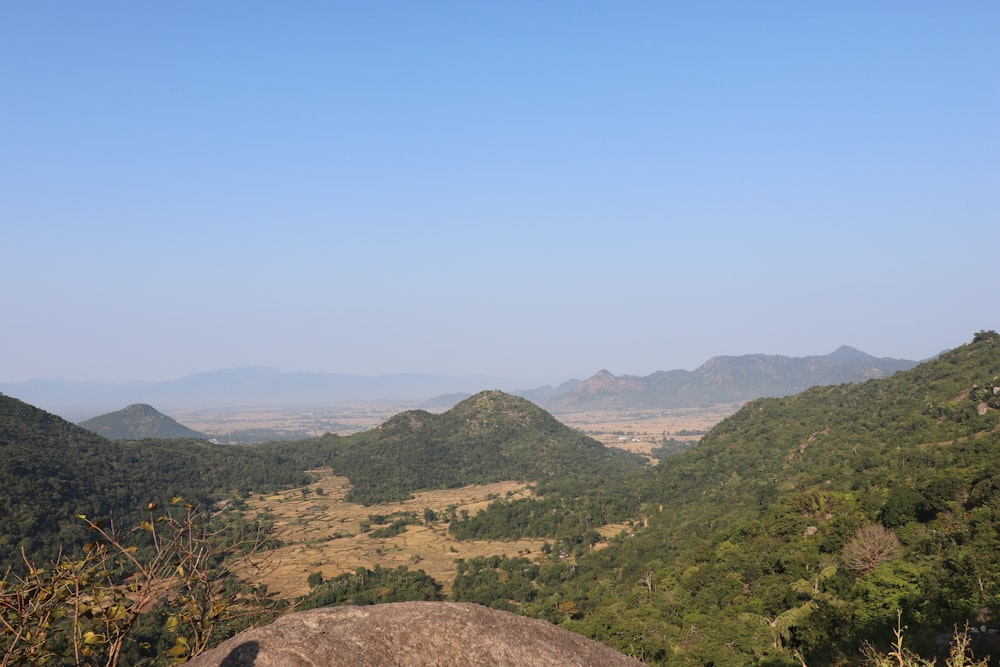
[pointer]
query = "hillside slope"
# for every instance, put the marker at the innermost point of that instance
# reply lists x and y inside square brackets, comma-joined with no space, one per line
[54,470]
[489,437]
[804,523]
[139,421]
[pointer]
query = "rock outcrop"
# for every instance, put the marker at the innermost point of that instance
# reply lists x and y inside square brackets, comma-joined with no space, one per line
[410,634]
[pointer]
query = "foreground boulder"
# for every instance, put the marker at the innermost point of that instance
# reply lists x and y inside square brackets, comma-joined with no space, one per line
[410,634]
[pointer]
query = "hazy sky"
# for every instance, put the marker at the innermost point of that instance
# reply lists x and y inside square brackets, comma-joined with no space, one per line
[525,189]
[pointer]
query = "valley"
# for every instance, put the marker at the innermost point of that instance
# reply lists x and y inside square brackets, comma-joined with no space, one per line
[642,430]
[799,529]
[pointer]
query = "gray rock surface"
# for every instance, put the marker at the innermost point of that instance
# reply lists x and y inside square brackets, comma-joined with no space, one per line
[410,634]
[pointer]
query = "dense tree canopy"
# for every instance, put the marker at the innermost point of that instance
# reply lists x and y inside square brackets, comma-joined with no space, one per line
[803,524]
[54,470]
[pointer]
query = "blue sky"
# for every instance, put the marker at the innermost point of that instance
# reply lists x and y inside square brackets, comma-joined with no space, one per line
[528,190]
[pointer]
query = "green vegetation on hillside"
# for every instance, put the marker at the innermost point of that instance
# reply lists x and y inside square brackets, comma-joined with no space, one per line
[489,437]
[54,470]
[60,475]
[137,422]
[754,555]
[566,512]
[372,586]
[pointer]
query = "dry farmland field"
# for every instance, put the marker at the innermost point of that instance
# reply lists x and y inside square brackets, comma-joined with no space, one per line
[321,532]
[262,424]
[642,430]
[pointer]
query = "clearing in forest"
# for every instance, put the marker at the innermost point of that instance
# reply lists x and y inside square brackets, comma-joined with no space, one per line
[321,532]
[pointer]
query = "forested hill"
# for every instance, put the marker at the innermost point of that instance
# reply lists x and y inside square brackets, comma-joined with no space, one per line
[839,431]
[138,421]
[53,470]
[488,437]
[804,523]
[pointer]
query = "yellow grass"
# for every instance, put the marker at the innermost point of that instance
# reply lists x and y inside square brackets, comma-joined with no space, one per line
[308,525]
[641,431]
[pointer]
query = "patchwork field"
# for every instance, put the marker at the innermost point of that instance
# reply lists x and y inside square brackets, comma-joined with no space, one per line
[321,532]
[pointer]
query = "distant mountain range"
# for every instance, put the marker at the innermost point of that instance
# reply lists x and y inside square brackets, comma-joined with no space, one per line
[254,386]
[139,421]
[725,379]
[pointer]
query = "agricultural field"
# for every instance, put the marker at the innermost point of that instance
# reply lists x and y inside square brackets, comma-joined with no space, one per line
[247,425]
[321,532]
[641,431]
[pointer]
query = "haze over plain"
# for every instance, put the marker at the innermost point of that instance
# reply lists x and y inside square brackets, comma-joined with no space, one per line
[514,190]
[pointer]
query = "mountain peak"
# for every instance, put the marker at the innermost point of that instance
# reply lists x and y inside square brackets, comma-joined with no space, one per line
[490,437]
[725,379]
[494,407]
[139,409]
[847,353]
[138,421]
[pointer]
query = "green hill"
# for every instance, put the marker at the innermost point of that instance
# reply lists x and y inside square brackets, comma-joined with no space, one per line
[802,524]
[139,421]
[54,470]
[489,437]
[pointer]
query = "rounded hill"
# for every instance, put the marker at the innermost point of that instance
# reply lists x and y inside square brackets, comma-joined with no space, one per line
[489,437]
[139,421]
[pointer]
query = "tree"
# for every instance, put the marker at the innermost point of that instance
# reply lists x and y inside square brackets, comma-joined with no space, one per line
[985,335]
[782,624]
[871,546]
